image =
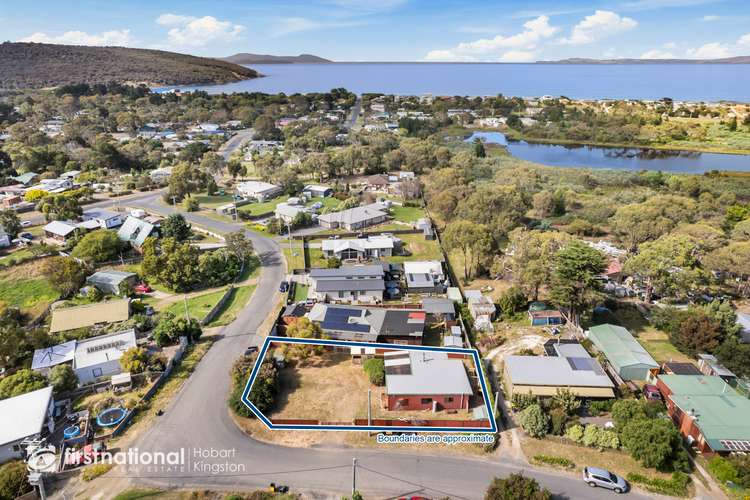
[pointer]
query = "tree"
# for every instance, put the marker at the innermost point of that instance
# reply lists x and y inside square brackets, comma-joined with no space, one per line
[625,410]
[60,207]
[21,382]
[175,226]
[13,342]
[667,265]
[516,487]
[10,222]
[512,300]
[265,129]
[134,360]
[213,163]
[240,245]
[176,265]
[264,390]
[575,284]
[735,356]
[66,274]
[697,333]
[236,168]
[375,370]
[303,328]
[13,480]
[98,246]
[193,152]
[641,222]
[169,329]
[219,267]
[469,238]
[734,259]
[532,257]
[479,150]
[655,443]
[548,204]
[63,378]
[185,180]
[534,421]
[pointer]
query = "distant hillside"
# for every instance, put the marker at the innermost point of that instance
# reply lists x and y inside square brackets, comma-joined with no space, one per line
[582,60]
[246,58]
[35,65]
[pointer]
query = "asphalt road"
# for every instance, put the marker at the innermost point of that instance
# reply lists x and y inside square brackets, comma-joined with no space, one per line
[198,418]
[235,142]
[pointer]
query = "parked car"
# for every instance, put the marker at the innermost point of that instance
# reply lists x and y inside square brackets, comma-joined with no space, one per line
[26,223]
[594,476]
[25,235]
[143,288]
[651,392]
[284,286]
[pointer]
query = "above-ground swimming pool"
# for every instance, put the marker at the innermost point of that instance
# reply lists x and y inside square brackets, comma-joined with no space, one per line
[111,417]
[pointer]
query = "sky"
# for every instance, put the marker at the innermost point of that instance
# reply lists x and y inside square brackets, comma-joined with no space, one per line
[394,30]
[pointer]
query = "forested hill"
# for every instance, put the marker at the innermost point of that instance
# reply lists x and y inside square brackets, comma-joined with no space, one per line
[38,65]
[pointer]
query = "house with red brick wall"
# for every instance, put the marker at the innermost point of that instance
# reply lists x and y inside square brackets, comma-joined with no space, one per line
[425,380]
[709,413]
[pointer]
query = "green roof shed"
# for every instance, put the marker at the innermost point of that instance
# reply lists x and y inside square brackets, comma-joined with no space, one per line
[629,359]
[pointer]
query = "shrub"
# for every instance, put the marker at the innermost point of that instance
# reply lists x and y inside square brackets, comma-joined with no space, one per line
[591,435]
[575,433]
[512,300]
[134,360]
[516,486]
[93,471]
[191,205]
[566,400]
[63,378]
[596,408]
[13,481]
[557,461]
[676,486]
[534,421]
[375,370]
[520,402]
[558,418]
[608,439]
[21,382]
[722,469]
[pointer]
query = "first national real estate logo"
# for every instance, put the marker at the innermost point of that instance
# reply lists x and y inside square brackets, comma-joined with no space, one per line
[208,461]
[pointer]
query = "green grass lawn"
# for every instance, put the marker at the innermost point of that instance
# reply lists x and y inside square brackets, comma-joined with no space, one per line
[31,295]
[232,307]
[21,253]
[300,292]
[197,306]
[407,214]
[262,208]
[315,257]
[418,247]
[655,341]
[295,259]
[328,202]
[212,202]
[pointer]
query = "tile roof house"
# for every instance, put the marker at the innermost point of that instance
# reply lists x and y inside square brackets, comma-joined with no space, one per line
[24,417]
[425,380]
[711,415]
[347,284]
[398,326]
[354,218]
[71,318]
[135,231]
[628,358]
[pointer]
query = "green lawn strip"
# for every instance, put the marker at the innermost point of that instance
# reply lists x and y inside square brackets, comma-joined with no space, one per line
[232,307]
[207,201]
[295,257]
[18,255]
[300,292]
[138,493]
[418,247]
[197,306]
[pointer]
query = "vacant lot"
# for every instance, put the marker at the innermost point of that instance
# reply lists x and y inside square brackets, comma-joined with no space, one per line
[327,387]
[232,307]
[24,287]
[198,306]
[419,248]
[656,342]
[262,208]
[407,214]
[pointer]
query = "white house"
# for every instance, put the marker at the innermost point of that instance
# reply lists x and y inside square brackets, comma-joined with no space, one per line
[160,175]
[360,248]
[99,357]
[424,276]
[355,218]
[104,218]
[24,417]
[59,231]
[53,186]
[287,212]
[44,359]
[258,190]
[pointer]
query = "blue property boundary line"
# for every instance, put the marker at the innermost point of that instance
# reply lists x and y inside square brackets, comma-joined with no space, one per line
[367,428]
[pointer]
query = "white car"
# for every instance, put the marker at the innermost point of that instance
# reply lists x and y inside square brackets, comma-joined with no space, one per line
[26,223]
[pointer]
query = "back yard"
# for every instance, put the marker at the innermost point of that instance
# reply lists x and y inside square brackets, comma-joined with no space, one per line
[25,287]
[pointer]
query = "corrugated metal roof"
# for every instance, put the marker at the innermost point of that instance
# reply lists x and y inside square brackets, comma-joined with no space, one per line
[556,371]
[70,318]
[432,373]
[620,346]
[23,416]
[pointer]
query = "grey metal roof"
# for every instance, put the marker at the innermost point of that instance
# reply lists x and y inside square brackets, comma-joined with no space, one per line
[571,351]
[343,285]
[438,305]
[135,231]
[52,356]
[343,272]
[432,373]
[355,215]
[23,416]
[556,371]
[109,277]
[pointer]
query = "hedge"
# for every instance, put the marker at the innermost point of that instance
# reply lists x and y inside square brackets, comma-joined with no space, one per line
[677,486]
[556,461]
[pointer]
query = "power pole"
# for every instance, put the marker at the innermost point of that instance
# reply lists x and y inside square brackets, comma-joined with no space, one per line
[369,407]
[187,314]
[354,476]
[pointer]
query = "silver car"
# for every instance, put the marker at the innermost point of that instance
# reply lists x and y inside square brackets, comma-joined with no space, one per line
[594,477]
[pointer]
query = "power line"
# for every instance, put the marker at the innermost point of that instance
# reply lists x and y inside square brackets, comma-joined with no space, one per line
[411,483]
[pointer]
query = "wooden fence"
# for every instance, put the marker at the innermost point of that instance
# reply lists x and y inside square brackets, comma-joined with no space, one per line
[386,422]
